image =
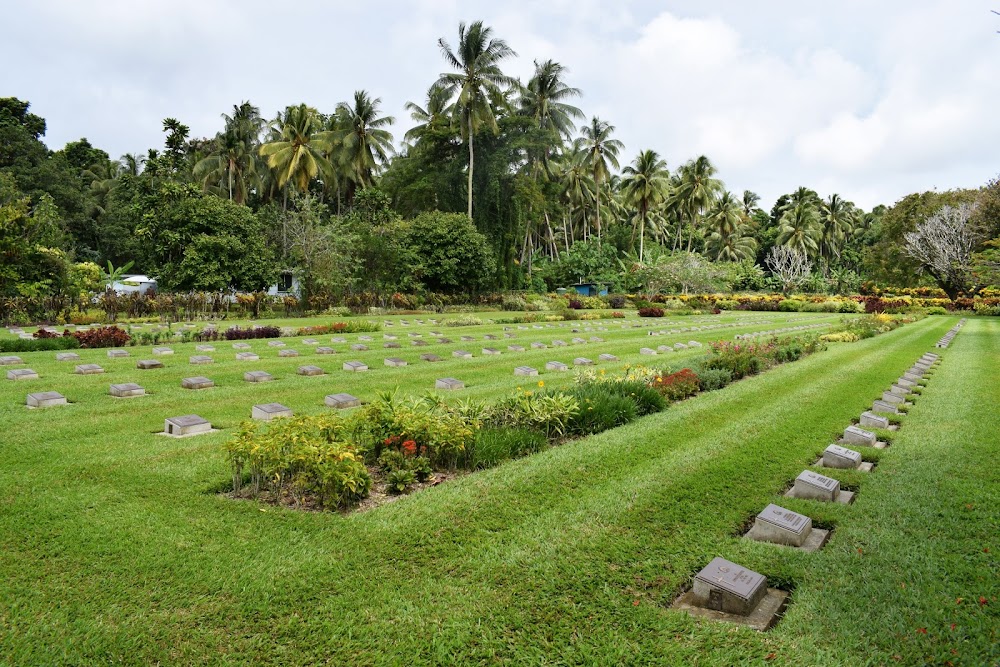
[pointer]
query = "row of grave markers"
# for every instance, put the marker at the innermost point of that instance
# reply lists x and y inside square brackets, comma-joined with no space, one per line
[947,338]
[726,591]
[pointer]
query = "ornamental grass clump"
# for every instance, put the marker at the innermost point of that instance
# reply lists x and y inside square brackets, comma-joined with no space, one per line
[302,458]
[600,409]
[493,446]
[549,412]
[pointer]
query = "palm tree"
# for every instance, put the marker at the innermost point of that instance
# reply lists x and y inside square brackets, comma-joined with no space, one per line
[435,112]
[799,228]
[233,161]
[477,83]
[365,144]
[296,151]
[644,186]
[837,218]
[728,241]
[750,203]
[599,149]
[543,99]
[696,191]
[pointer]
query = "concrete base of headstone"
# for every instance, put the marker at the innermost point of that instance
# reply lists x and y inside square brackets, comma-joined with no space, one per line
[22,374]
[844,497]
[879,444]
[269,411]
[525,371]
[342,401]
[257,376]
[186,426]
[310,371]
[197,383]
[147,364]
[815,539]
[126,390]
[45,399]
[763,617]
[864,466]
[395,362]
[449,384]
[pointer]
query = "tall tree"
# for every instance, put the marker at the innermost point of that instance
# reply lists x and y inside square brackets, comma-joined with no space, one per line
[727,239]
[599,150]
[644,186]
[296,151]
[477,85]
[696,191]
[233,163]
[837,218]
[799,229]
[364,141]
[435,112]
[544,99]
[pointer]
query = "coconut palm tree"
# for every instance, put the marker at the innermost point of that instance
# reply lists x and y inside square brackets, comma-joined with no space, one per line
[297,149]
[435,112]
[837,218]
[750,203]
[364,142]
[477,85]
[232,165]
[696,191]
[599,150]
[799,229]
[544,99]
[644,186]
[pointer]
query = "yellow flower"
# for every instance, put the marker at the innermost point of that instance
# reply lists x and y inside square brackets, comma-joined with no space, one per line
[541,383]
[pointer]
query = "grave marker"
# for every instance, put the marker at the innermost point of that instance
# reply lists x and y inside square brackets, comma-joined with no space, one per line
[247,356]
[358,347]
[885,407]
[325,350]
[491,351]
[10,361]
[355,366]
[162,351]
[342,401]
[288,353]
[607,357]
[117,354]
[872,420]
[257,376]
[67,356]
[516,348]
[45,399]
[449,384]
[269,411]
[395,362]
[186,425]
[310,371]
[813,486]
[556,366]
[727,587]
[241,346]
[854,435]
[525,370]
[200,360]
[461,354]
[781,526]
[582,361]
[647,351]
[205,348]
[836,456]
[198,382]
[22,374]
[148,364]
[429,357]
[88,369]
[126,390]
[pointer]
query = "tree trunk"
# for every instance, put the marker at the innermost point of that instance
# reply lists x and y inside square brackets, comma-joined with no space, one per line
[642,235]
[472,156]
[598,200]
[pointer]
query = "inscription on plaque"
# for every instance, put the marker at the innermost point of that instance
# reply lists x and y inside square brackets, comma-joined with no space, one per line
[725,586]
[836,456]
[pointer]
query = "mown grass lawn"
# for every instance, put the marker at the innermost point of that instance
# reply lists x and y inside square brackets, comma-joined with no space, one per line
[117,549]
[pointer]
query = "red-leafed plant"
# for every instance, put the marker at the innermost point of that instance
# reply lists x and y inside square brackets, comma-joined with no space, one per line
[102,337]
[651,312]
[677,386]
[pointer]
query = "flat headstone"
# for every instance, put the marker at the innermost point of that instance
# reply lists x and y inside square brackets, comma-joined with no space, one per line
[899,390]
[836,456]
[22,374]
[275,343]
[45,399]
[647,351]
[117,354]
[516,348]
[358,347]
[556,366]
[288,353]
[418,343]
[147,364]
[582,361]
[126,390]
[395,362]
[693,343]
[538,346]
[525,370]
[310,341]
[355,366]
[908,384]
[664,348]
[727,587]
[429,357]
[88,369]
[391,346]
[607,357]
[338,339]
[310,371]
[162,351]
[885,407]
[197,382]
[596,339]
[491,351]
[461,354]
[186,425]
[341,401]
[269,411]
[247,356]
[489,337]
[10,361]
[813,486]
[872,420]
[241,346]
[201,359]
[854,435]
[578,341]
[449,384]
[778,525]
[680,346]
[205,348]
[889,397]
[67,356]
[325,350]
[558,343]
[365,338]
[466,339]
[257,376]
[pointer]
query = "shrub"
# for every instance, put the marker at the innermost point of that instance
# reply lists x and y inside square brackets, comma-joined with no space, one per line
[102,337]
[677,386]
[493,446]
[351,326]
[740,359]
[790,306]
[618,315]
[710,379]
[616,301]
[937,310]
[236,333]
[463,321]
[651,312]
[512,302]
[39,344]
[299,456]
[44,333]
[549,413]
[647,400]
[399,481]
[600,409]
[575,304]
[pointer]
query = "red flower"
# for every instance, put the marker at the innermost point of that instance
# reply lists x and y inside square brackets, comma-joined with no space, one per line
[410,447]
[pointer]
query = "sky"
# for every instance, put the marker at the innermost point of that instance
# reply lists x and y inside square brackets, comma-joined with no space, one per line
[870,100]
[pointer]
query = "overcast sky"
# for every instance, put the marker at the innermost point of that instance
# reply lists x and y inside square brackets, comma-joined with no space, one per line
[872,100]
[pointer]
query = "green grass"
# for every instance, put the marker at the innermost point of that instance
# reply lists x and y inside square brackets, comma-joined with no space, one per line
[116,549]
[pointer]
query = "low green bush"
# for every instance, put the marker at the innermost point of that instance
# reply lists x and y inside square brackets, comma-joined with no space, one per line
[493,446]
[790,306]
[39,344]
[600,410]
[547,412]
[647,400]
[711,379]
